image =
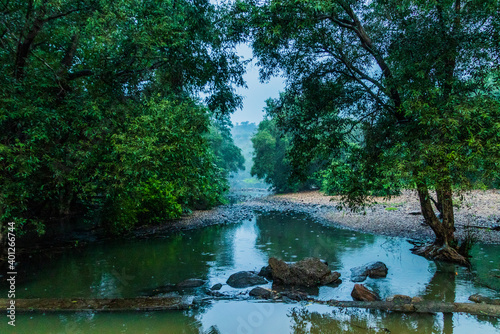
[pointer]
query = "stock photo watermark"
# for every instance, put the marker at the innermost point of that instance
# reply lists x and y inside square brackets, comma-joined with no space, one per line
[11,273]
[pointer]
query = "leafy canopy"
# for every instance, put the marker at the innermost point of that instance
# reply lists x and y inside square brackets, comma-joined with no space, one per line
[99,111]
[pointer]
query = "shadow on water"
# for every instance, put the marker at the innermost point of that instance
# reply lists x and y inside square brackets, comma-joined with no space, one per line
[126,268]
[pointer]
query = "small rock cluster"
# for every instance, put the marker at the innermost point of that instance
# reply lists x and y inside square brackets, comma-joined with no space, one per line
[291,281]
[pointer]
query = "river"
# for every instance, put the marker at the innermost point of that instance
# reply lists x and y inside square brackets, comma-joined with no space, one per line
[129,268]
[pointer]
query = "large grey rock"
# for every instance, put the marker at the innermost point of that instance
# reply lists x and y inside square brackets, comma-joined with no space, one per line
[244,279]
[373,270]
[362,293]
[308,272]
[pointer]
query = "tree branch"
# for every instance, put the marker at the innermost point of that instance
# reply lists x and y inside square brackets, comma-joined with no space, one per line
[79,74]
[54,17]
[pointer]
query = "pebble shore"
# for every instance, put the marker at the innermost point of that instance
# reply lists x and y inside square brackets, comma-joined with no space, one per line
[476,212]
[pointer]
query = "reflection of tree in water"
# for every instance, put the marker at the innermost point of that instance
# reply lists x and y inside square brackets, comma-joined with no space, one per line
[123,268]
[442,287]
[294,236]
[361,321]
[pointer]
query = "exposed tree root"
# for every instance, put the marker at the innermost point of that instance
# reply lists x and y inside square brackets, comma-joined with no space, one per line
[440,253]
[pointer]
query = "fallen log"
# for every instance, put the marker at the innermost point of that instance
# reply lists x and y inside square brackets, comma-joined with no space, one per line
[477,298]
[422,307]
[106,305]
[184,303]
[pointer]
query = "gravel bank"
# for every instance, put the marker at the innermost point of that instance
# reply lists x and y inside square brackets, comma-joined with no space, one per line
[399,216]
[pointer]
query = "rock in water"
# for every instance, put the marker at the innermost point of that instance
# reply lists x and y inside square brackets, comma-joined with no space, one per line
[244,279]
[362,293]
[262,293]
[266,272]
[373,270]
[190,283]
[217,286]
[307,272]
[295,295]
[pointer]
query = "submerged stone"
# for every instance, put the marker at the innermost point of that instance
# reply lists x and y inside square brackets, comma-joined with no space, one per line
[261,293]
[159,290]
[244,279]
[373,270]
[190,283]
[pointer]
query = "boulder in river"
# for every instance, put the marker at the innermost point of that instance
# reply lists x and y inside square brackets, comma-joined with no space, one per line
[295,295]
[215,287]
[266,272]
[307,272]
[261,293]
[362,293]
[244,279]
[373,270]
[190,283]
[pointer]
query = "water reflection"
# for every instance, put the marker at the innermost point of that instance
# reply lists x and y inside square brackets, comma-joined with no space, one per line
[125,268]
[374,322]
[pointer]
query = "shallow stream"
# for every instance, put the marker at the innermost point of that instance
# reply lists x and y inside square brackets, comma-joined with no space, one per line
[128,268]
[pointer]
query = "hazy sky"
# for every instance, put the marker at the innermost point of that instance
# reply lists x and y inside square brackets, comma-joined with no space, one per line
[257,93]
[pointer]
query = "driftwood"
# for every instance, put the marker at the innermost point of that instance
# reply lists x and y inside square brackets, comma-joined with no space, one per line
[481,299]
[422,307]
[106,305]
[178,303]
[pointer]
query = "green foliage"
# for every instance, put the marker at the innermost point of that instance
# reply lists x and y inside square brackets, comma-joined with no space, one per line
[270,161]
[242,134]
[97,109]
[228,155]
[391,94]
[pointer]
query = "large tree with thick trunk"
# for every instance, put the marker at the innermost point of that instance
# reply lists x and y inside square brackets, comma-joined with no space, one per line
[392,93]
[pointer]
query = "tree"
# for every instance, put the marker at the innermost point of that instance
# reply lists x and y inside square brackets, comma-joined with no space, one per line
[270,161]
[409,78]
[99,110]
[228,155]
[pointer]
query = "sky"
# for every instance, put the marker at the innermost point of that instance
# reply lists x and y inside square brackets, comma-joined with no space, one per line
[257,93]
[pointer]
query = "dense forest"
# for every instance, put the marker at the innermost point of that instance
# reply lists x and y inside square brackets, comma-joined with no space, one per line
[119,111]
[101,113]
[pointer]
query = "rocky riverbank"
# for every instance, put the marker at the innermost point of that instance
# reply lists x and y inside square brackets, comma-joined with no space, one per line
[477,212]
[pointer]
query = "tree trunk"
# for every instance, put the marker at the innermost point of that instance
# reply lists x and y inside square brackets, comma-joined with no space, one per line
[444,247]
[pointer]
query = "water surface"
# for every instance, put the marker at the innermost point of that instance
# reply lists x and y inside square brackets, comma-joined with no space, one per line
[127,268]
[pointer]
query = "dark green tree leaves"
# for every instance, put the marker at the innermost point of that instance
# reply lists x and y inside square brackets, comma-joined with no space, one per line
[408,90]
[99,108]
